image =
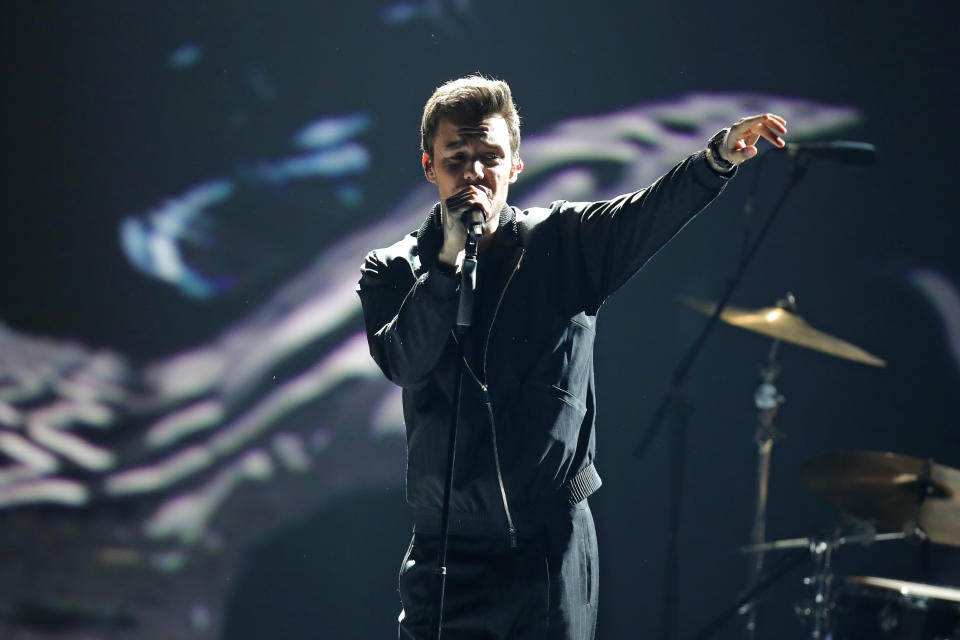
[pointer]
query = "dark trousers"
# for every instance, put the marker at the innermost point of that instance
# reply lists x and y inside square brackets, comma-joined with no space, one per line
[546,589]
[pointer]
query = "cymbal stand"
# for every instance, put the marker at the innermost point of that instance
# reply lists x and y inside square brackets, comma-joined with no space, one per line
[767,400]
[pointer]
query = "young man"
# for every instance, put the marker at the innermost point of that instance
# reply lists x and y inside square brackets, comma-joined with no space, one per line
[522,561]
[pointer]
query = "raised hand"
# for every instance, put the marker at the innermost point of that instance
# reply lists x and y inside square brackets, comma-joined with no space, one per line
[741,140]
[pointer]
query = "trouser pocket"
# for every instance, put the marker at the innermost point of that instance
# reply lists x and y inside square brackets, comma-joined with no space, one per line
[588,549]
[403,580]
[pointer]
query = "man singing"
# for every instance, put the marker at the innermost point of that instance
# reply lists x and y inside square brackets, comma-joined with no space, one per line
[522,557]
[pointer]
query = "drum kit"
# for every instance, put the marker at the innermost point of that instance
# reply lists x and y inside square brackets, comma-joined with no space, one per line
[891,497]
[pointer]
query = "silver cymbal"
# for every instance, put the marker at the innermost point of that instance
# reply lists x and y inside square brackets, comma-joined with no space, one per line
[785,325]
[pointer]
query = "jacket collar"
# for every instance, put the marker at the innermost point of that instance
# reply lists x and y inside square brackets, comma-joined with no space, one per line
[430,233]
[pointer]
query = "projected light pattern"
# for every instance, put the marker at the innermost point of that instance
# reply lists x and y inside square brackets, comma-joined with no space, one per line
[639,144]
[942,293]
[328,132]
[159,241]
[152,242]
[449,15]
[177,465]
[185,56]
[331,163]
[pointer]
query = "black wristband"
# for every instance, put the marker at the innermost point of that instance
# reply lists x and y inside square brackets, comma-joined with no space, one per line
[714,158]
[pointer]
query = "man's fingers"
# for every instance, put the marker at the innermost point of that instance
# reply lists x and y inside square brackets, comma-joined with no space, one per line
[459,200]
[740,155]
[770,135]
[469,197]
[772,118]
[464,199]
[760,129]
[774,122]
[471,194]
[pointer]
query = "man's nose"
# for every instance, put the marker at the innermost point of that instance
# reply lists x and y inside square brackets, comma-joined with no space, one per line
[473,170]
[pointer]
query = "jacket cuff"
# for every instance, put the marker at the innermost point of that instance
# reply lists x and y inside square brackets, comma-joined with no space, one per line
[707,175]
[440,283]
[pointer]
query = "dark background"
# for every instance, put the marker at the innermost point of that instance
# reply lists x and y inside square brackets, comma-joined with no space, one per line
[97,126]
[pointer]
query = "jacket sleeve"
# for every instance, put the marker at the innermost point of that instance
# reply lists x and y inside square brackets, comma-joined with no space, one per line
[614,238]
[407,326]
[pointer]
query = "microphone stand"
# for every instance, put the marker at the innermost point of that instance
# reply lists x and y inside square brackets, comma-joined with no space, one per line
[674,403]
[468,285]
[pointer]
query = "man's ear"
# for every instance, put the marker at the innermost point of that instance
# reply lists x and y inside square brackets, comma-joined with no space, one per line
[516,168]
[428,169]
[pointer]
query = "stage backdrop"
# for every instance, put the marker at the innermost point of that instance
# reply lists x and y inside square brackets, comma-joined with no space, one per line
[194,441]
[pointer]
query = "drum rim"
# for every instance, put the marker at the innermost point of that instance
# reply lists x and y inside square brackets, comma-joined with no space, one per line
[908,589]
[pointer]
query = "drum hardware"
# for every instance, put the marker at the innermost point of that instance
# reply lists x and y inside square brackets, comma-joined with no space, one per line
[859,607]
[821,608]
[782,322]
[891,491]
[864,539]
[818,611]
[914,590]
[898,497]
[794,552]
[918,497]
[886,609]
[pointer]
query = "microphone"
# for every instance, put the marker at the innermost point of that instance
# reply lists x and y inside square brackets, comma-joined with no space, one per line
[845,151]
[474,219]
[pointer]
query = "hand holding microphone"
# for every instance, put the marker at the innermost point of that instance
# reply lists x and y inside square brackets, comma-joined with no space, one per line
[471,206]
[463,213]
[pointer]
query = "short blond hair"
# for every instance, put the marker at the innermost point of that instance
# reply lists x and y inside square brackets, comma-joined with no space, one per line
[467,100]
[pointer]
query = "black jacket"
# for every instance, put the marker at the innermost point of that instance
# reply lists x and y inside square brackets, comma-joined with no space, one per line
[526,441]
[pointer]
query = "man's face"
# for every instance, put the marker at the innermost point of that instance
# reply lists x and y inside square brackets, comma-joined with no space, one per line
[477,154]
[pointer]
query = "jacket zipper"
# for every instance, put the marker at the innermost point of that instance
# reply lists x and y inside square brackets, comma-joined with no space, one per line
[496,460]
[486,399]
